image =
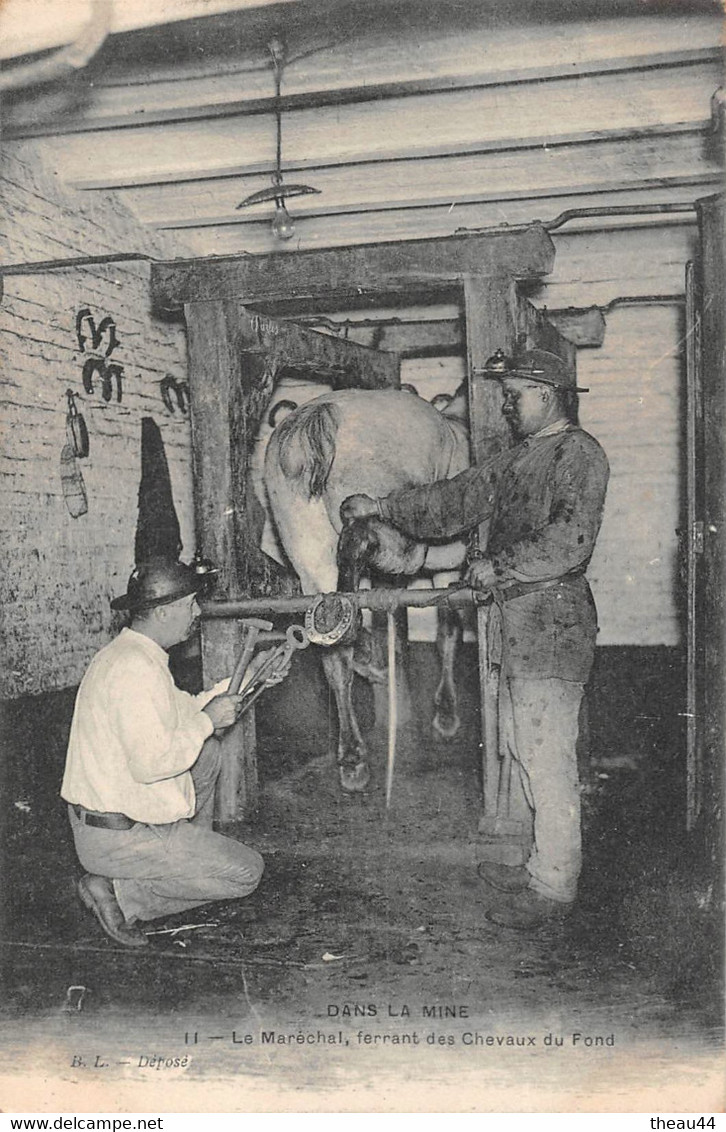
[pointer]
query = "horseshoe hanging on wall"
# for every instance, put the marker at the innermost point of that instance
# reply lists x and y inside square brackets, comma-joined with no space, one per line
[108,372]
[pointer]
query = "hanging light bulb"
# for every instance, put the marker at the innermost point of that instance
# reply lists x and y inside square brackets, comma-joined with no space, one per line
[283,225]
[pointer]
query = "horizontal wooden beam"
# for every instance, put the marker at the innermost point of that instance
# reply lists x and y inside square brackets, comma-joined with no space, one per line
[591,268]
[387,42]
[124,106]
[305,168]
[471,121]
[581,327]
[344,364]
[585,167]
[409,224]
[423,265]
[318,207]
[429,339]
[446,337]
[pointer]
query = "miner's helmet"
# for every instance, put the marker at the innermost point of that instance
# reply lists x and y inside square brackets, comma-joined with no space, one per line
[159,581]
[544,367]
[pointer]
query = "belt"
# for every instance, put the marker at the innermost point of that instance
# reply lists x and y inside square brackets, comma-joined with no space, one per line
[519,589]
[101,820]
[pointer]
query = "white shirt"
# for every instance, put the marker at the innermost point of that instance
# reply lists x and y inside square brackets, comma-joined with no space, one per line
[135,735]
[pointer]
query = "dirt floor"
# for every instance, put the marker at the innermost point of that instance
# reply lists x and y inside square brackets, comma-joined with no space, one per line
[363,974]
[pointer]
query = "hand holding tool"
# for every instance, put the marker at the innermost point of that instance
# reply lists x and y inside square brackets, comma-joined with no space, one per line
[296,638]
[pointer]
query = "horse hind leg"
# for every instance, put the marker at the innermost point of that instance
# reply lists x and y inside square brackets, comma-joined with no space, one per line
[448,637]
[310,543]
[371,547]
[356,546]
[368,660]
[352,765]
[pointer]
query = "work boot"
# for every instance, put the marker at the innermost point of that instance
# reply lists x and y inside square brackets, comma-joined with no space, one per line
[97,894]
[527,909]
[505,878]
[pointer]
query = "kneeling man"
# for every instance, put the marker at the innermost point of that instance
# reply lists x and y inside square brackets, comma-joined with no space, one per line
[140,776]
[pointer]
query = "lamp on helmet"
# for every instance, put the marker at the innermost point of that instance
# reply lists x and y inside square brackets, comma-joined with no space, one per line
[498,365]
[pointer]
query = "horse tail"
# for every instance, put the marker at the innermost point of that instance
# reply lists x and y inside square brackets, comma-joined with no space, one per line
[306,445]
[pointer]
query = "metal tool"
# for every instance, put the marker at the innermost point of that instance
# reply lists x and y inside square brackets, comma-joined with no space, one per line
[254,626]
[296,638]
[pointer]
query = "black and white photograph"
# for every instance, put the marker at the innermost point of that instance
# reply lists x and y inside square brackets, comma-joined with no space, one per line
[363,414]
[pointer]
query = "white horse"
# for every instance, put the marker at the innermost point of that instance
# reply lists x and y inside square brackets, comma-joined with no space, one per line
[374,442]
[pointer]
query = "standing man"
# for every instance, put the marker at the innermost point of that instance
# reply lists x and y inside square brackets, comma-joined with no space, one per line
[544,499]
[140,776]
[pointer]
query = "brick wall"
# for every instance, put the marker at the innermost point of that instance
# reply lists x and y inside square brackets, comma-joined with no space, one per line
[58,572]
[636,409]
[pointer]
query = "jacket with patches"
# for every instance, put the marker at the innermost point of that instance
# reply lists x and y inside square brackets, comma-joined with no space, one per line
[543,500]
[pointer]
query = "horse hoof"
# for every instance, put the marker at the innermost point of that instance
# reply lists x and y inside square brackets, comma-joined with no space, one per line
[354,779]
[447,727]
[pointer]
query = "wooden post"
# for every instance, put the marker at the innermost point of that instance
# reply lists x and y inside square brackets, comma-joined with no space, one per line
[491,323]
[230,384]
[709,824]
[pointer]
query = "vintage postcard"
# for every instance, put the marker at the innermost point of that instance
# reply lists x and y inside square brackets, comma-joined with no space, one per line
[419,304]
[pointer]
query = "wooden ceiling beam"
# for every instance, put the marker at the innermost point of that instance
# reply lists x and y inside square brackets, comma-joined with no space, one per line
[542,198]
[429,339]
[636,162]
[386,49]
[366,228]
[384,45]
[654,103]
[127,106]
[446,337]
[547,143]
[304,350]
[408,267]
[582,327]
